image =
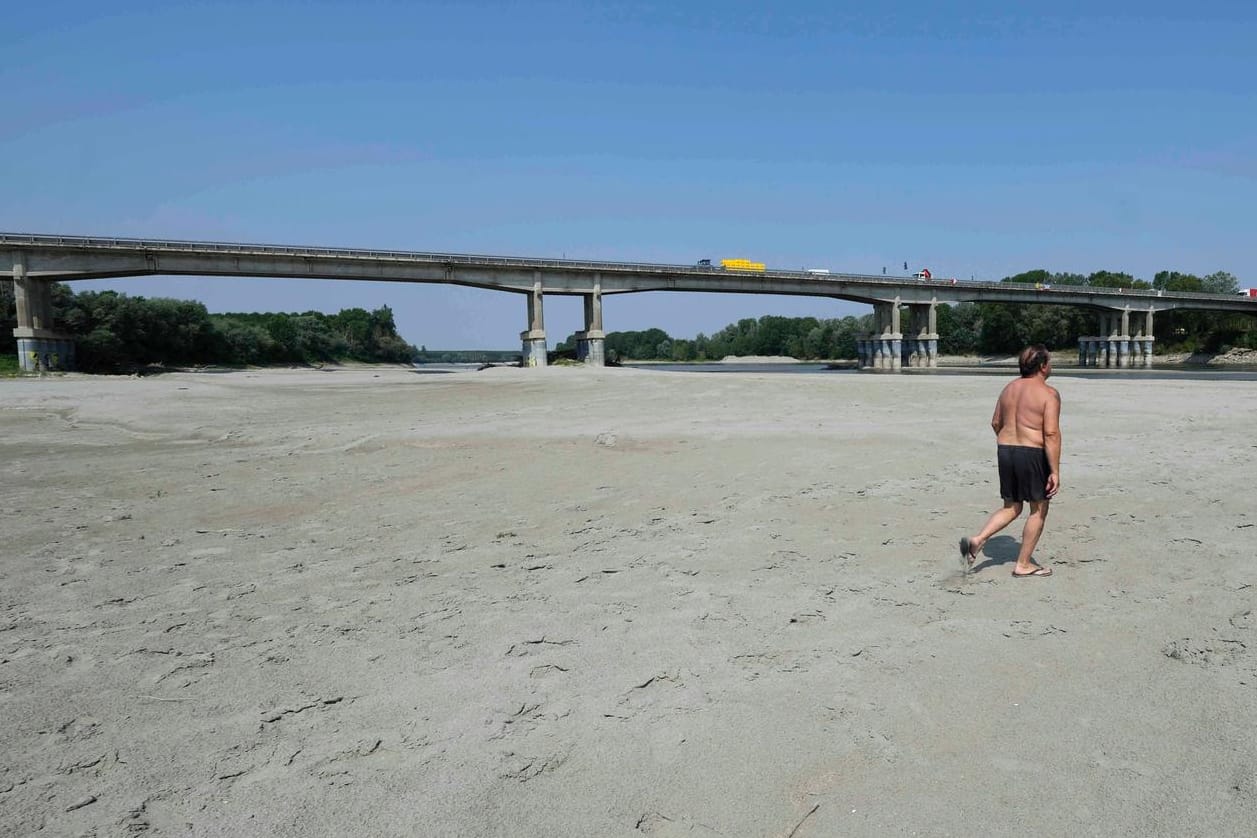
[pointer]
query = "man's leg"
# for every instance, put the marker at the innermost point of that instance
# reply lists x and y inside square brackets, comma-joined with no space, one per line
[1030,535]
[999,519]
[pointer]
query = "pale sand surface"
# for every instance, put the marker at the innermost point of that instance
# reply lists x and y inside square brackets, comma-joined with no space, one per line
[568,602]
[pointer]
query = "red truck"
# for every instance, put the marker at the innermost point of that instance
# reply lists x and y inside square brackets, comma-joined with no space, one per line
[1249,292]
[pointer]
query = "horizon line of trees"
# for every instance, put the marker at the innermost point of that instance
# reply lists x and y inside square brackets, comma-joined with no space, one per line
[115,332]
[963,329]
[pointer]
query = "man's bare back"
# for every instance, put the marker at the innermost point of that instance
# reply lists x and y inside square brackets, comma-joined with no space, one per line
[1028,413]
[1023,410]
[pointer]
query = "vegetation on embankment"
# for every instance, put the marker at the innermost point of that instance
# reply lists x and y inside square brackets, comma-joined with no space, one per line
[115,332]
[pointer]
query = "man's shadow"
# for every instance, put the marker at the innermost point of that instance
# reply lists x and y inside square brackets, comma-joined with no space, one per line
[998,550]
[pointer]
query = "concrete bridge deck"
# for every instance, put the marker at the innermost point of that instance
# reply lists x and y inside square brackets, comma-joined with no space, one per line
[34,261]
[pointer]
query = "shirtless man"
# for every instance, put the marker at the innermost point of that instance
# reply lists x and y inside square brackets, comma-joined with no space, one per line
[1028,436]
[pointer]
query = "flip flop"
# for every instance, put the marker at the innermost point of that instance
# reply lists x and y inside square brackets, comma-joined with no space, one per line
[967,558]
[1038,571]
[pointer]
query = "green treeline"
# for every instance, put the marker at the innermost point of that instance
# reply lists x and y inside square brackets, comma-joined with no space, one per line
[963,329]
[115,332]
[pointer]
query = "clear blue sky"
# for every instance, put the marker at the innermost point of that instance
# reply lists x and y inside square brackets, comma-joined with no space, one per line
[978,139]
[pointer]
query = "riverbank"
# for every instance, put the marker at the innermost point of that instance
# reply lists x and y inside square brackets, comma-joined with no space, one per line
[616,602]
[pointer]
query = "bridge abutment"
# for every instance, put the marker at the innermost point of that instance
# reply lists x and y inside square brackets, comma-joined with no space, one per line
[39,347]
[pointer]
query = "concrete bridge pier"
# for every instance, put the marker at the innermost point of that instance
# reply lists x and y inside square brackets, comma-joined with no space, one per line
[885,345]
[534,338]
[1135,330]
[591,344]
[920,348]
[1144,337]
[1106,342]
[1123,341]
[39,347]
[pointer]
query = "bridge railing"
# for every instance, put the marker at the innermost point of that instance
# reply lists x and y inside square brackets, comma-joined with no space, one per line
[524,262]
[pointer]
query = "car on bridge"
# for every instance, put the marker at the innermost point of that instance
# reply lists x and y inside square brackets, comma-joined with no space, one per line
[924,273]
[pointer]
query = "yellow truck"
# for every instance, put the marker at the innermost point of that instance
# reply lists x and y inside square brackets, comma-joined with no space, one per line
[742,265]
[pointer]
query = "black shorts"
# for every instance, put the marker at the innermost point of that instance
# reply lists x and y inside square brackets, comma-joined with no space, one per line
[1023,472]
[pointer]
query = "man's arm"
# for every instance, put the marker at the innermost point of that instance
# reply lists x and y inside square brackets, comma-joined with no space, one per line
[997,418]
[1052,439]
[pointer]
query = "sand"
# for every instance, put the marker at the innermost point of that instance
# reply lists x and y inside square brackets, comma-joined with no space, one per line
[572,602]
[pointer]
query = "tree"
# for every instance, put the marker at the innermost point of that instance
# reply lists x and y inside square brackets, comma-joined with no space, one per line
[1220,282]
[958,329]
[1001,329]
[1111,279]
[1175,281]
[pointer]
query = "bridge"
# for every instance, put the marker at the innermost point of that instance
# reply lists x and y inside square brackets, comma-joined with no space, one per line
[34,262]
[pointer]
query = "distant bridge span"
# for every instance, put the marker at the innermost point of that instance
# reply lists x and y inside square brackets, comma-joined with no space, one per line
[36,261]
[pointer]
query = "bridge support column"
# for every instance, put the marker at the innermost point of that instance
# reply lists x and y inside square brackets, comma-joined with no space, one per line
[534,339]
[931,346]
[1136,343]
[1108,334]
[591,344]
[920,348]
[887,339]
[1146,338]
[1115,339]
[910,354]
[39,348]
[1123,340]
